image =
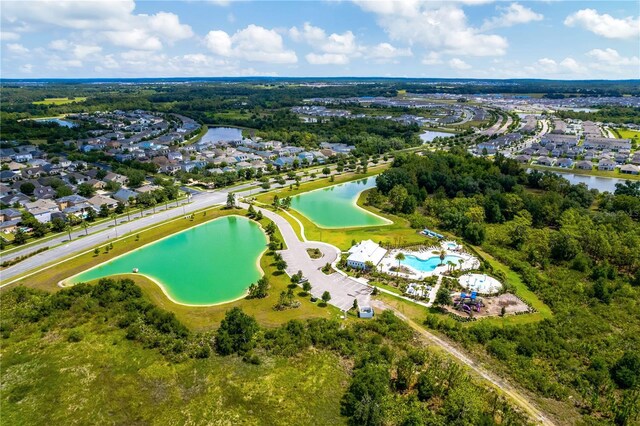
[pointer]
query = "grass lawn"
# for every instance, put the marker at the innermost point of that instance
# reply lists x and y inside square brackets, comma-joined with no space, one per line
[108,379]
[397,232]
[628,134]
[193,317]
[59,101]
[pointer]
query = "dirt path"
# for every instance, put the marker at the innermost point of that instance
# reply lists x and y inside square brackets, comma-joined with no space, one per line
[536,414]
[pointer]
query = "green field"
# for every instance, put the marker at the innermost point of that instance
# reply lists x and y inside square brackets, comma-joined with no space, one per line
[108,379]
[628,134]
[59,101]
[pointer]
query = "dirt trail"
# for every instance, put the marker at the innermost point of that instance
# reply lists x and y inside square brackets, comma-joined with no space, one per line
[536,414]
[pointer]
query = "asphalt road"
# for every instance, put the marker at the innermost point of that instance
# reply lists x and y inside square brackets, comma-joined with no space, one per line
[343,289]
[102,233]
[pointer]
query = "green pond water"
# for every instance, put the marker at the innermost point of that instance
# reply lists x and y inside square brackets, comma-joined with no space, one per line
[211,263]
[335,206]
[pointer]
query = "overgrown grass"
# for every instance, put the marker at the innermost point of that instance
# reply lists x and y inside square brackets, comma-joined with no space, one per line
[106,378]
[59,101]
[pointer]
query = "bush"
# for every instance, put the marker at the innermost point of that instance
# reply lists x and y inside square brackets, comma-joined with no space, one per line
[75,336]
[236,333]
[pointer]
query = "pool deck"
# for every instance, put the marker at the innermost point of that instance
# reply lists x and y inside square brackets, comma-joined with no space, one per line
[343,288]
[389,262]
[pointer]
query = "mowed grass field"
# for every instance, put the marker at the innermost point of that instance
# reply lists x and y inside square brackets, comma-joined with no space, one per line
[107,379]
[629,134]
[59,101]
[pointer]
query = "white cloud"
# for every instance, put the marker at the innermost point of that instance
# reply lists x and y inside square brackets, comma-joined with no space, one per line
[9,36]
[432,58]
[17,49]
[514,14]
[344,43]
[327,59]
[134,38]
[254,43]
[79,51]
[458,64]
[26,68]
[611,62]
[612,57]
[385,51]
[441,27]
[168,27]
[219,43]
[567,68]
[114,21]
[340,48]
[572,65]
[61,64]
[605,25]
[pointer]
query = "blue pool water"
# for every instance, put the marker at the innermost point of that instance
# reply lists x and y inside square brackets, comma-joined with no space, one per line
[429,264]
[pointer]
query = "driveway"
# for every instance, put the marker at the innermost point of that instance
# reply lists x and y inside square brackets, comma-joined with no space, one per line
[343,289]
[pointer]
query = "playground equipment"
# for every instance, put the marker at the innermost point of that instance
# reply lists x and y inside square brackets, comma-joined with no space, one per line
[468,303]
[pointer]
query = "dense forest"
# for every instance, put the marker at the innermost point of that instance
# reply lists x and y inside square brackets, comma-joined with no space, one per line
[575,248]
[391,379]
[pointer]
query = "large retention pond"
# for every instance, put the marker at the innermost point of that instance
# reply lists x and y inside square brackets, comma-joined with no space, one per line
[211,263]
[335,206]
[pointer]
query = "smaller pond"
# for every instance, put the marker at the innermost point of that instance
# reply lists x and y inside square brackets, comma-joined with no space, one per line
[428,264]
[602,184]
[222,134]
[430,135]
[58,121]
[335,206]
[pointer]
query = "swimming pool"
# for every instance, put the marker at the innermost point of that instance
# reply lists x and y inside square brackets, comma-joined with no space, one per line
[429,264]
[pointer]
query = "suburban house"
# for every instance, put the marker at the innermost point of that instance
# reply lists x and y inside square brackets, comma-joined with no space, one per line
[364,252]
[124,194]
[584,165]
[98,201]
[564,162]
[630,169]
[545,161]
[607,165]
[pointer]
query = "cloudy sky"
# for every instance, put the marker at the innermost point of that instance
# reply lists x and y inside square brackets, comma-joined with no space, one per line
[410,38]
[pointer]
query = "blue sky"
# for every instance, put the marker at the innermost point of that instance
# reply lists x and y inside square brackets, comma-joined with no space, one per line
[409,38]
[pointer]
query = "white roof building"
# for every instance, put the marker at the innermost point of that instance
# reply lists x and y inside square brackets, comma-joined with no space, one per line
[363,252]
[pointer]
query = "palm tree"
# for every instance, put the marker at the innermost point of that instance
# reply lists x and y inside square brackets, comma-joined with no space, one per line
[399,257]
[461,261]
[85,225]
[443,254]
[451,265]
